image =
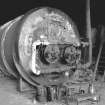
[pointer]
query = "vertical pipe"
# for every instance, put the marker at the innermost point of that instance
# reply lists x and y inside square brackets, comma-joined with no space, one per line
[88,23]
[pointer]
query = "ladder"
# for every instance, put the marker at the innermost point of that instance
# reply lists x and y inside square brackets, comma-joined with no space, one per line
[100,63]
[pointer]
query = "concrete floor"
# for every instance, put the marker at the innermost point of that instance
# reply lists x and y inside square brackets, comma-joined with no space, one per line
[10,96]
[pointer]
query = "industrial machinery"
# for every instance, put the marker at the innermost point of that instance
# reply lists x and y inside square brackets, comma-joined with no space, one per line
[43,49]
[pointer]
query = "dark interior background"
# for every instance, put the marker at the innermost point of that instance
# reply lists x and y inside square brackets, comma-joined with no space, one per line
[76,9]
[9,9]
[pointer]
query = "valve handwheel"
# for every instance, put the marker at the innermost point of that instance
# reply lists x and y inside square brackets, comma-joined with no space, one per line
[69,54]
[52,53]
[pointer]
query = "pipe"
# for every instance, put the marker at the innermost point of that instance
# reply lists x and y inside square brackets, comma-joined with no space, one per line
[88,23]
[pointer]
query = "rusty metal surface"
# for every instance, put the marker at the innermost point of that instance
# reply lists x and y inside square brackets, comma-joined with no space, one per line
[7,42]
[2,66]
